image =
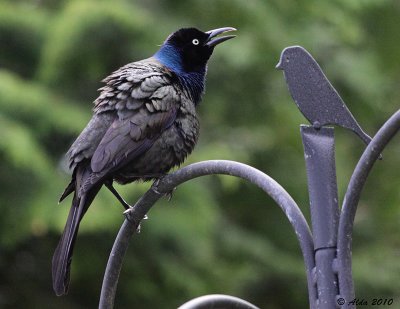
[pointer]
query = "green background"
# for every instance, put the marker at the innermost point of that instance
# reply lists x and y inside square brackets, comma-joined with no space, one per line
[218,234]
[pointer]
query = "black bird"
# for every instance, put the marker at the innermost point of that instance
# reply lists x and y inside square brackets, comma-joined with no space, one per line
[144,124]
[313,94]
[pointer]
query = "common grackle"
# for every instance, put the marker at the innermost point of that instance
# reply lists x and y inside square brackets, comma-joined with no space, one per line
[313,93]
[144,124]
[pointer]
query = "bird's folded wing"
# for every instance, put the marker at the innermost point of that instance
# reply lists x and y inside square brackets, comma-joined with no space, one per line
[146,103]
[142,102]
[130,137]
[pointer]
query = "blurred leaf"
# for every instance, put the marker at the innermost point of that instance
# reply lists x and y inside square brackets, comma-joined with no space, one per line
[92,38]
[22,32]
[20,149]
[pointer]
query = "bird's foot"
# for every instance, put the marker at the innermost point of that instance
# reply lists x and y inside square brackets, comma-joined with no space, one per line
[155,185]
[127,211]
[169,194]
[139,228]
[128,216]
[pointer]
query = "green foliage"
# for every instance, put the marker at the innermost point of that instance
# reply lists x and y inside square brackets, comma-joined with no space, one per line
[92,38]
[218,234]
[22,32]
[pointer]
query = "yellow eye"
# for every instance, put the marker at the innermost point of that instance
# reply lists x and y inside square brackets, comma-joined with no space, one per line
[195,42]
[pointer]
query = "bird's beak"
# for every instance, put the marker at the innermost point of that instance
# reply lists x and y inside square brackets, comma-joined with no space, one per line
[212,41]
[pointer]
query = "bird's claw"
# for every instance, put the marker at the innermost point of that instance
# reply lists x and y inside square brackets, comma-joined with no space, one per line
[127,216]
[169,194]
[154,187]
[139,228]
[127,210]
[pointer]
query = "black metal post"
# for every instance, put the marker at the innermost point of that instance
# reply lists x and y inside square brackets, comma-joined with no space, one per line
[319,153]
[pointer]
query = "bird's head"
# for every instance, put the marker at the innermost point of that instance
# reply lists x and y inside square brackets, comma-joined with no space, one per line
[288,55]
[188,49]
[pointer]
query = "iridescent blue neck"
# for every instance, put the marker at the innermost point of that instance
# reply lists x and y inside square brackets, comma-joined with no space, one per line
[170,57]
[192,81]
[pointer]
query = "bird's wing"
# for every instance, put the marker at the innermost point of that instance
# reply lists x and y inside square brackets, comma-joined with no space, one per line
[130,137]
[87,142]
[146,103]
[126,88]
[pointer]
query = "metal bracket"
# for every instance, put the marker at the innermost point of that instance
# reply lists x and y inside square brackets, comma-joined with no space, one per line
[319,154]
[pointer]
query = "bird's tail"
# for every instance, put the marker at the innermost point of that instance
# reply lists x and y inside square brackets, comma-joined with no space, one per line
[63,254]
[364,136]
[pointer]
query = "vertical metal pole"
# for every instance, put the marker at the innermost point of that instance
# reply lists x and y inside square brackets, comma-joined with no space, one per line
[319,152]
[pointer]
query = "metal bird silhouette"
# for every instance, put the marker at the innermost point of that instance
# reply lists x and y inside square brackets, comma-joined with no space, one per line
[313,94]
[144,124]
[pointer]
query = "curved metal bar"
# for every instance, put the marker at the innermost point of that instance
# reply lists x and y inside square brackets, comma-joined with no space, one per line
[121,243]
[351,199]
[114,264]
[217,301]
[170,181]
